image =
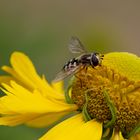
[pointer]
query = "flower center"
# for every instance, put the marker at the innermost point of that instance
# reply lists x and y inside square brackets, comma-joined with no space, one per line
[123,93]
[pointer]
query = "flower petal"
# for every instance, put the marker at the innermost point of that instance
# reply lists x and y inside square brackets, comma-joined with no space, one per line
[6,79]
[58,86]
[24,72]
[125,63]
[30,107]
[117,136]
[32,119]
[135,137]
[46,119]
[75,128]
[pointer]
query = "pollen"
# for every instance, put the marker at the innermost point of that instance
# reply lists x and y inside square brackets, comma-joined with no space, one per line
[123,93]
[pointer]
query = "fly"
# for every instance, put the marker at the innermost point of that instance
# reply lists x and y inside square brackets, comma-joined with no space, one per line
[85,59]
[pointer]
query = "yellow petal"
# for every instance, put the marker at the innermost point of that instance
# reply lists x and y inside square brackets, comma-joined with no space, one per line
[24,72]
[32,119]
[22,101]
[31,107]
[25,69]
[46,119]
[125,63]
[10,70]
[58,86]
[135,137]
[6,79]
[117,136]
[75,128]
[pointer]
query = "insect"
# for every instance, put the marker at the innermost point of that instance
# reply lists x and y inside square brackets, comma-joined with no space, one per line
[75,64]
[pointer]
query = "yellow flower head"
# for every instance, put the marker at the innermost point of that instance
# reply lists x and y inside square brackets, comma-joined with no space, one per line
[106,99]
[111,92]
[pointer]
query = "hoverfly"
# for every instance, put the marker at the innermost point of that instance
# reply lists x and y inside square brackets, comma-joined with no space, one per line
[75,64]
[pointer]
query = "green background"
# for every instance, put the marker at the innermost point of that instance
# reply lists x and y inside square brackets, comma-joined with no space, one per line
[42,30]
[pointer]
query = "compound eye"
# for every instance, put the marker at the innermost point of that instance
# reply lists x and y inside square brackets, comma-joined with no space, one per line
[95,60]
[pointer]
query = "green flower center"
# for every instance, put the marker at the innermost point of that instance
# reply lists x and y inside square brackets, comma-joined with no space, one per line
[123,93]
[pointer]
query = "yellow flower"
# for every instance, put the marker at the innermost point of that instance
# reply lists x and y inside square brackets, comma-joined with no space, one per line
[106,99]
[29,98]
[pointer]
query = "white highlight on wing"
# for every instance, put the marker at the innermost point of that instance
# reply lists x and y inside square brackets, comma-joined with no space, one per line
[75,46]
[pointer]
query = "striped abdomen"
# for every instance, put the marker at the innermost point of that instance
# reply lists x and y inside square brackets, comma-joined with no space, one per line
[71,64]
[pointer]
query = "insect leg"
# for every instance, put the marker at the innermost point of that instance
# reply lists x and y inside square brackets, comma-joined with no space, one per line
[83,67]
[79,79]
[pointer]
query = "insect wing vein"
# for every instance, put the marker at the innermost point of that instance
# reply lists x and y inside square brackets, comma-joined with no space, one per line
[65,73]
[75,46]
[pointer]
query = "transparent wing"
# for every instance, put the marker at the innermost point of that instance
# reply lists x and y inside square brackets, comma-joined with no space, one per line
[63,74]
[75,46]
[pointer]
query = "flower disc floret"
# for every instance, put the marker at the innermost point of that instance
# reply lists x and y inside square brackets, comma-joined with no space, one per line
[123,91]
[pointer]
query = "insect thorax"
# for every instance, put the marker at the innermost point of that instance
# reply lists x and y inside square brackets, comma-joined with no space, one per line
[85,59]
[90,59]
